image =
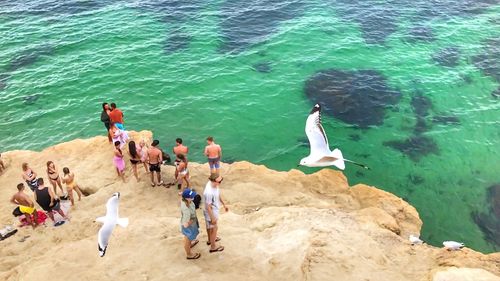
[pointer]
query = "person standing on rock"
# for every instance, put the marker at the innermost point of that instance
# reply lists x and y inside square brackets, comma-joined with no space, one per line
[105,118]
[118,161]
[155,159]
[46,199]
[214,153]
[213,200]
[179,149]
[135,158]
[29,176]
[189,223]
[116,116]
[69,180]
[54,178]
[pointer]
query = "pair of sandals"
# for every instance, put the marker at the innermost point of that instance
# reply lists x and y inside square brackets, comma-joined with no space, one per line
[197,255]
[159,184]
[218,249]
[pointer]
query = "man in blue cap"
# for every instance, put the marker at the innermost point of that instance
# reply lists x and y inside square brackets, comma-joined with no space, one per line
[189,223]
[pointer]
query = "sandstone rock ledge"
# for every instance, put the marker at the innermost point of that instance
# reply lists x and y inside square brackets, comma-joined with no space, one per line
[281,226]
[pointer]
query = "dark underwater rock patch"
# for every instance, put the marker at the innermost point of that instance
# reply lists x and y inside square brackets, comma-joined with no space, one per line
[489,61]
[245,23]
[52,8]
[358,97]
[176,42]
[31,99]
[379,19]
[415,147]
[495,94]
[29,57]
[489,223]
[446,120]
[421,105]
[376,19]
[354,137]
[449,57]
[3,81]
[420,34]
[415,179]
[263,67]
[175,13]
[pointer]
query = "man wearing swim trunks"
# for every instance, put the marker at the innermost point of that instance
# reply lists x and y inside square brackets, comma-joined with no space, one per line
[26,205]
[155,158]
[214,153]
[213,199]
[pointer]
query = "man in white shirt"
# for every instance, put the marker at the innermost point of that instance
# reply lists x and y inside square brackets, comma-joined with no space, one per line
[213,199]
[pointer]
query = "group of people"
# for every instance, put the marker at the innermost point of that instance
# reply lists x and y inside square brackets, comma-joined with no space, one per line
[48,199]
[152,158]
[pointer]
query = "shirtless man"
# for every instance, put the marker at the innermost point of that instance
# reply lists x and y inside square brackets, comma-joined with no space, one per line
[214,153]
[155,158]
[26,205]
[178,149]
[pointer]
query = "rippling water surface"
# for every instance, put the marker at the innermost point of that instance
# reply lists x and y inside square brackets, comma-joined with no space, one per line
[410,88]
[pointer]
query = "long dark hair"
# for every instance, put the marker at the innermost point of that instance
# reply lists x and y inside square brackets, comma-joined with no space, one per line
[182,158]
[132,149]
[117,143]
[103,106]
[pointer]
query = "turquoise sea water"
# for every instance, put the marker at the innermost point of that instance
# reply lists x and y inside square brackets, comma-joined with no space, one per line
[240,70]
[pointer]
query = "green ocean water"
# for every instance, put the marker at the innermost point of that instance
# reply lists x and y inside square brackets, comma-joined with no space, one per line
[168,65]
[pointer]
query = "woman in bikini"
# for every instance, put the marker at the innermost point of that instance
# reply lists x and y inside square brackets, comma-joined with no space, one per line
[30,177]
[53,176]
[135,157]
[69,180]
[118,161]
[183,171]
[143,152]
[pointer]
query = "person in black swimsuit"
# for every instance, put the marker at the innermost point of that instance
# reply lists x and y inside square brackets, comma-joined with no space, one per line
[54,178]
[47,200]
[155,158]
[29,176]
[135,158]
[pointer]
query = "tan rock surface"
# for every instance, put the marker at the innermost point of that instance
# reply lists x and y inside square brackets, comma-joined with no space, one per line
[280,226]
